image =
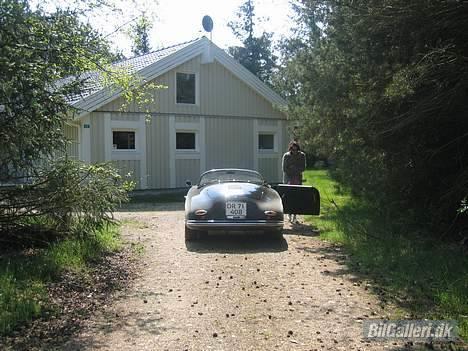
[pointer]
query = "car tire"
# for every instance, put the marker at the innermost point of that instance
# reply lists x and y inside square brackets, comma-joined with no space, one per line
[276,234]
[191,235]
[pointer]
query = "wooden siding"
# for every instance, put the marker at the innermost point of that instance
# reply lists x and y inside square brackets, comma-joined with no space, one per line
[268,122]
[129,169]
[227,116]
[229,142]
[73,146]
[187,170]
[157,152]
[220,93]
[122,116]
[97,137]
[187,119]
[268,167]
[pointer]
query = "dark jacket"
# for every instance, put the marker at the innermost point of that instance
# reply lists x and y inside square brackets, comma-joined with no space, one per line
[293,165]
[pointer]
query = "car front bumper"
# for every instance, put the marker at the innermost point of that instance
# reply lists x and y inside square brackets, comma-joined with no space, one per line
[233,225]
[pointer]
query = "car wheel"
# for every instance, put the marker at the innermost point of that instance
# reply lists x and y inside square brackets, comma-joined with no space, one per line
[191,234]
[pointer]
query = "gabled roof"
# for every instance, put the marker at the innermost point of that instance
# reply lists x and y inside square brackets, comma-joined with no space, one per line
[154,64]
[93,84]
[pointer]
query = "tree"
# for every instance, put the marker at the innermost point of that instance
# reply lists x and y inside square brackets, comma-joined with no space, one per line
[42,61]
[382,89]
[256,53]
[37,51]
[139,33]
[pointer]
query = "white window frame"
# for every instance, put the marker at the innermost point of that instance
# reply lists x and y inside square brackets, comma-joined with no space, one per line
[197,88]
[197,141]
[137,141]
[275,141]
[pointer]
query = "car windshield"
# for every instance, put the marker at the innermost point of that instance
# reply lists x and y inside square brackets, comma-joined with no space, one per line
[231,175]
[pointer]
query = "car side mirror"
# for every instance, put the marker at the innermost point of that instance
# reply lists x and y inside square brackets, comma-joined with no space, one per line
[188,183]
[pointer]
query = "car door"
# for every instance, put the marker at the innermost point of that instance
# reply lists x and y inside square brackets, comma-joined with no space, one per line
[299,199]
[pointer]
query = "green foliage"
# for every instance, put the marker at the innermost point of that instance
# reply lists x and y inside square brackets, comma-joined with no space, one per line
[134,89]
[23,278]
[424,277]
[463,206]
[45,59]
[330,197]
[66,197]
[139,33]
[256,53]
[37,50]
[85,195]
[381,89]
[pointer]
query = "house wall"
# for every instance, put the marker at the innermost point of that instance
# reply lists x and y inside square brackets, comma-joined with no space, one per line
[227,119]
[229,142]
[97,137]
[129,170]
[72,134]
[221,142]
[220,93]
[157,152]
[187,170]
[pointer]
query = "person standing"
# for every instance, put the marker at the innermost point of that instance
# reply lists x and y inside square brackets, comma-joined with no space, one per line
[294,163]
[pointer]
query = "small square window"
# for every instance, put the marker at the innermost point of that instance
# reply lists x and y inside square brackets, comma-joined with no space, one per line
[185,141]
[123,140]
[185,83]
[266,141]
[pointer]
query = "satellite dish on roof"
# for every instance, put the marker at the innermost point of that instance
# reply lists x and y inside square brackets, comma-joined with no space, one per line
[207,23]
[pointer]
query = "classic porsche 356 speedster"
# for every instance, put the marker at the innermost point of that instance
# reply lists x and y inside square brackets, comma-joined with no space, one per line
[241,200]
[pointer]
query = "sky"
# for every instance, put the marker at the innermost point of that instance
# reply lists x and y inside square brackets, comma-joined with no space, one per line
[177,21]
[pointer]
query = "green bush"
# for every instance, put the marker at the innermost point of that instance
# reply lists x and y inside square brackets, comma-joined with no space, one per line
[380,88]
[65,198]
[422,276]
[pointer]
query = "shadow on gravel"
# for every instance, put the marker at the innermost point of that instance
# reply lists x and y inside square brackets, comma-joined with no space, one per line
[237,243]
[302,229]
[139,326]
[152,207]
[72,299]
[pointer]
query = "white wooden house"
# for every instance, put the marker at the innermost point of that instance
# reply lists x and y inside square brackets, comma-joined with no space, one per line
[214,113]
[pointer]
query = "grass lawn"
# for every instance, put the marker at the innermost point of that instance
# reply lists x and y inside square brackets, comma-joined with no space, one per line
[24,277]
[425,278]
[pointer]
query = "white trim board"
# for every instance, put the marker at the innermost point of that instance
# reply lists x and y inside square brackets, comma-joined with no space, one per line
[143,146]
[172,152]
[85,154]
[200,114]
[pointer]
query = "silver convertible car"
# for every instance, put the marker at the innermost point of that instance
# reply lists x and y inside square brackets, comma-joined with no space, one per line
[241,200]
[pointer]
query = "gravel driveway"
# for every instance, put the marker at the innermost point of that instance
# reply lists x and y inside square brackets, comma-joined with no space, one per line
[232,293]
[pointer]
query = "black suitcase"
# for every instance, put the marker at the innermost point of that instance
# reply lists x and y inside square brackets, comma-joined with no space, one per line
[299,199]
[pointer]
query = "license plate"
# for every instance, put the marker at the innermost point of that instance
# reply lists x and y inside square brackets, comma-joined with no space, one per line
[236,209]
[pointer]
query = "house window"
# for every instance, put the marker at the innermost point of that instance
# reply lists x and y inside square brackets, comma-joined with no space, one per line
[186,141]
[266,142]
[123,140]
[185,88]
